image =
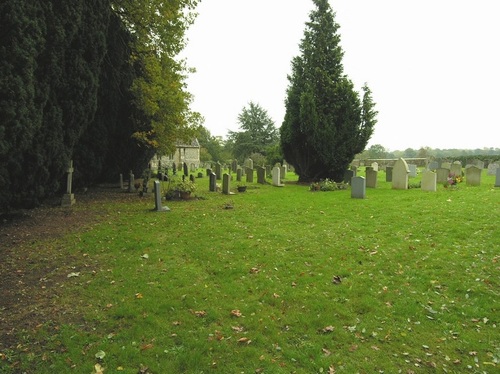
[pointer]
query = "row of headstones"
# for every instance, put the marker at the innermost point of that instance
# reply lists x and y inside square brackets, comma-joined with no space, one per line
[226,178]
[399,173]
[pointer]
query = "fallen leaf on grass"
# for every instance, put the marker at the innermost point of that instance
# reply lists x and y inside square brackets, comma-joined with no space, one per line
[236,313]
[72,275]
[100,355]
[98,369]
[146,347]
[138,295]
[237,328]
[353,348]
[244,340]
[200,313]
[326,352]
[327,329]
[254,270]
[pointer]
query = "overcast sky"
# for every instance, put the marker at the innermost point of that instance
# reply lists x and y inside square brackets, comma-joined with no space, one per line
[433,65]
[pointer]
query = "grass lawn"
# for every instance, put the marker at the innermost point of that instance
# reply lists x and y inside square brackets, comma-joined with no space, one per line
[286,281]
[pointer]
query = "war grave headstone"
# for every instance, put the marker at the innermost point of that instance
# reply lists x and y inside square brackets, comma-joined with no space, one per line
[68,198]
[358,188]
[226,184]
[158,204]
[400,175]
[442,175]
[371,178]
[429,181]
[277,177]
[473,176]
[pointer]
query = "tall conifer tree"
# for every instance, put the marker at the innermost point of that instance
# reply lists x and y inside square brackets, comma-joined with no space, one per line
[325,123]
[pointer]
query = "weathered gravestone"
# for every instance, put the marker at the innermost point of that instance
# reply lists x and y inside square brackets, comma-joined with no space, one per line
[131,181]
[158,205]
[446,165]
[249,163]
[497,178]
[433,165]
[212,182]
[68,198]
[456,168]
[226,184]
[283,171]
[261,175]
[358,188]
[121,181]
[492,168]
[239,171]
[249,175]
[388,173]
[413,170]
[473,176]
[277,177]
[429,181]
[442,175]
[218,170]
[371,178]
[400,175]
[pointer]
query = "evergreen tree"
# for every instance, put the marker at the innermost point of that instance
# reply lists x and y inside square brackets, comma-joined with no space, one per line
[257,135]
[325,123]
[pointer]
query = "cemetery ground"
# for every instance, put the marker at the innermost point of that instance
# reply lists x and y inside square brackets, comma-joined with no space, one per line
[286,281]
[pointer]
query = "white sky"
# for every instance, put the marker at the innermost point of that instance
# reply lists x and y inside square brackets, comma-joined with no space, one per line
[433,65]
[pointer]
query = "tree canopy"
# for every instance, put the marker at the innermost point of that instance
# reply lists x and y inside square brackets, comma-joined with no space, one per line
[326,123]
[257,134]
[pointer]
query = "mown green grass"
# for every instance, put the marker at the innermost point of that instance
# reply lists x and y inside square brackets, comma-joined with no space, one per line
[256,288]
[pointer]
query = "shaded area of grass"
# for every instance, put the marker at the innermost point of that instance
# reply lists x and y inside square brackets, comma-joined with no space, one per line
[287,281]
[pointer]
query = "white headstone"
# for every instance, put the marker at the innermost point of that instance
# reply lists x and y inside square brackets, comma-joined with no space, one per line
[400,173]
[277,177]
[358,188]
[429,181]
[473,176]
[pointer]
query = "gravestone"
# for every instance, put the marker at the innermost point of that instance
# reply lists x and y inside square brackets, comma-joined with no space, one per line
[371,178]
[456,168]
[283,171]
[348,175]
[473,176]
[226,184]
[478,163]
[249,163]
[358,188]
[442,175]
[158,206]
[446,165]
[261,175]
[354,168]
[209,171]
[121,181]
[212,182]
[388,173]
[185,169]
[413,170]
[218,170]
[374,166]
[400,175]
[68,198]
[131,181]
[249,175]
[433,165]
[492,168]
[429,181]
[234,166]
[239,171]
[497,178]
[277,177]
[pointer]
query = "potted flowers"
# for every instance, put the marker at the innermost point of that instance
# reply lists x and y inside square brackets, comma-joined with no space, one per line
[185,187]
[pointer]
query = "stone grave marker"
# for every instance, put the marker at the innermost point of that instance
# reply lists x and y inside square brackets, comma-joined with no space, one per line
[497,178]
[158,205]
[68,198]
[121,181]
[446,165]
[283,171]
[388,173]
[456,168]
[249,174]
[371,178]
[226,184]
[429,181]
[433,165]
[261,175]
[400,175]
[277,177]
[492,168]
[239,172]
[442,175]
[413,170]
[358,188]
[218,170]
[374,166]
[473,176]
[212,182]
[131,181]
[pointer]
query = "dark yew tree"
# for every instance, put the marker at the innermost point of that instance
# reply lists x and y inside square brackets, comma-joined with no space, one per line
[325,124]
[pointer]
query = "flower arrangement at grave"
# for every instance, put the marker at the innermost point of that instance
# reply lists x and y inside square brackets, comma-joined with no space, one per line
[185,186]
[453,180]
[327,185]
